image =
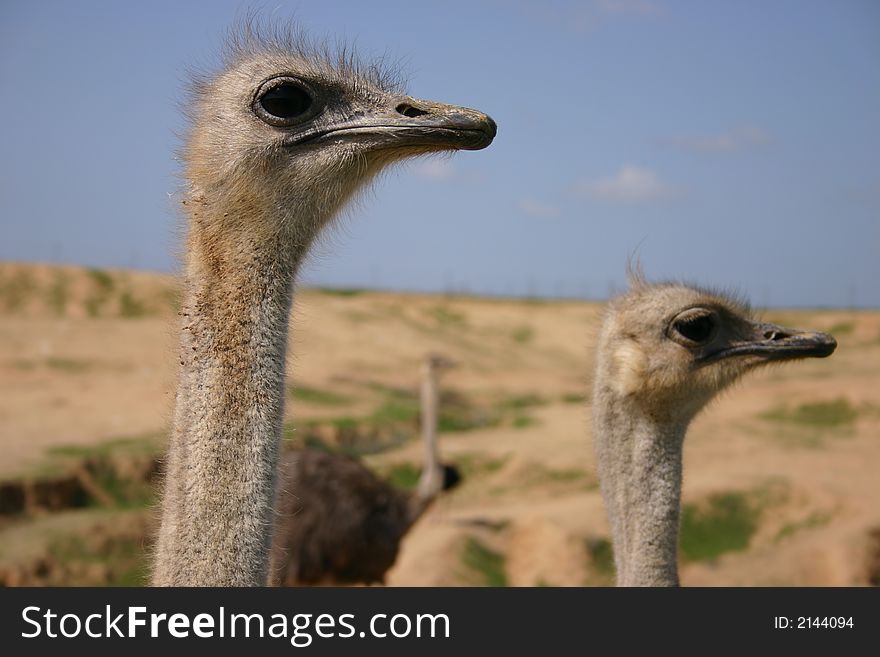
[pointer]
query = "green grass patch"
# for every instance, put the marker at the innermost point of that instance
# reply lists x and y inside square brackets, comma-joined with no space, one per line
[452,423]
[345,422]
[514,408]
[171,297]
[573,398]
[102,286]
[474,464]
[484,563]
[446,317]
[114,476]
[395,411]
[519,402]
[340,291]
[725,523]
[815,519]
[16,289]
[537,475]
[129,306]
[523,334]
[123,557]
[404,476]
[312,441]
[317,396]
[355,436]
[359,317]
[601,556]
[101,279]
[523,421]
[458,413]
[842,328]
[71,365]
[390,391]
[495,526]
[118,467]
[393,420]
[458,420]
[57,295]
[145,444]
[564,474]
[823,414]
[125,492]
[294,436]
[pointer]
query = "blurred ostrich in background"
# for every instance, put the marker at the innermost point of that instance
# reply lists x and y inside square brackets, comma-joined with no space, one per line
[338,523]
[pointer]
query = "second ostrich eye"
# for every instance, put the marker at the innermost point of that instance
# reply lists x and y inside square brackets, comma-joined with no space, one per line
[283,104]
[698,328]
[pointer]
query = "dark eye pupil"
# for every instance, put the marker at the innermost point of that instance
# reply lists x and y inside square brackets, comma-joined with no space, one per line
[697,329]
[285,101]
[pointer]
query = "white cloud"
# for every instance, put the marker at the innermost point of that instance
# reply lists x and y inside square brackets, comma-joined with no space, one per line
[736,140]
[631,184]
[443,170]
[435,169]
[537,209]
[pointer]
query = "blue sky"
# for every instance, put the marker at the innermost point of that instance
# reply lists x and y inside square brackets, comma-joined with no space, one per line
[729,143]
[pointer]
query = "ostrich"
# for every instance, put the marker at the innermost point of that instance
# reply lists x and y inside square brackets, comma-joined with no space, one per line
[281,139]
[340,524]
[663,352]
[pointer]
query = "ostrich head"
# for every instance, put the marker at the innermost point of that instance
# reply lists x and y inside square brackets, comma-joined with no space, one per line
[287,132]
[670,348]
[280,140]
[664,351]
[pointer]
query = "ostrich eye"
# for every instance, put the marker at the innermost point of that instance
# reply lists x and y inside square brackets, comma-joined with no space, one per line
[697,328]
[283,103]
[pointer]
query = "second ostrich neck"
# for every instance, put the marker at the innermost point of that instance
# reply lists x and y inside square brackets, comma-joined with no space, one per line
[641,460]
[230,403]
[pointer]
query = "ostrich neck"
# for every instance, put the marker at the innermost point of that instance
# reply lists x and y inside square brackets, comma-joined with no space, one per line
[223,452]
[640,465]
[431,481]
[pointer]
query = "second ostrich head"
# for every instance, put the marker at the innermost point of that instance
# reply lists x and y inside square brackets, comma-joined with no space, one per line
[664,351]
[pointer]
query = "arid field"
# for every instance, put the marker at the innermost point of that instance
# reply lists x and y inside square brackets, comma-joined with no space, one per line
[782,474]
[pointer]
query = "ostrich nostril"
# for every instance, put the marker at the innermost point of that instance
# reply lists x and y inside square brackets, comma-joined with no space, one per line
[775,335]
[408,110]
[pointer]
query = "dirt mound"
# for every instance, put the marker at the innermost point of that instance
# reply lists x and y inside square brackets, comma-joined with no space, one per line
[541,553]
[873,558]
[28,290]
[784,468]
[101,553]
[95,480]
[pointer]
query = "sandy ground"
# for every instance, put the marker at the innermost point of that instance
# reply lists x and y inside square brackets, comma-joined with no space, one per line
[80,372]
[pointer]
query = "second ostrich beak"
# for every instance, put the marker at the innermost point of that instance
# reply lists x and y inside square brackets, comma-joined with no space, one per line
[773,342]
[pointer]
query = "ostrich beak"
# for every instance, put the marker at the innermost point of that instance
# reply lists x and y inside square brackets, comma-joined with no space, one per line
[442,125]
[773,342]
[410,124]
